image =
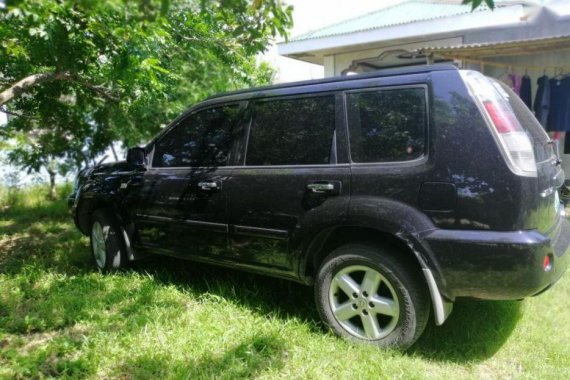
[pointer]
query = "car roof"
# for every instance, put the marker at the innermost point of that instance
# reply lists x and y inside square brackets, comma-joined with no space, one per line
[375,74]
[303,87]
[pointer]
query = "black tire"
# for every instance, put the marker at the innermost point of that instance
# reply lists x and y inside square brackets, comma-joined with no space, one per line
[399,282]
[114,256]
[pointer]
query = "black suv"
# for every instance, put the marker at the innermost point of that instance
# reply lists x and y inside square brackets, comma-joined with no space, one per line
[393,193]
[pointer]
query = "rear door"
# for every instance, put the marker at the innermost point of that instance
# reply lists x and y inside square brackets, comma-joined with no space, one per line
[294,179]
[388,146]
[182,209]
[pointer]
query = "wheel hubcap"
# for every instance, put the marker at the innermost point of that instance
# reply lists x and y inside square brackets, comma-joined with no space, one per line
[364,302]
[98,244]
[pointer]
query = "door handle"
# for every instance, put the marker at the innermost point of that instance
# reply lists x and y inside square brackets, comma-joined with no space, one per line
[320,187]
[209,186]
[332,187]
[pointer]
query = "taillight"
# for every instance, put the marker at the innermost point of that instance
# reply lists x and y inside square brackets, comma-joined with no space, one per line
[511,137]
[505,122]
[547,263]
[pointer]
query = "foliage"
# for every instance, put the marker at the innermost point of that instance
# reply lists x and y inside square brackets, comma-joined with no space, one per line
[170,319]
[478,3]
[118,70]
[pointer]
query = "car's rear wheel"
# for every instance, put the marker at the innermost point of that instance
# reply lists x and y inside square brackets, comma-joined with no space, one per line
[107,243]
[366,293]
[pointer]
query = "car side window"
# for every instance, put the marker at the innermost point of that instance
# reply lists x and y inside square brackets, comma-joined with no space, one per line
[387,125]
[204,138]
[292,131]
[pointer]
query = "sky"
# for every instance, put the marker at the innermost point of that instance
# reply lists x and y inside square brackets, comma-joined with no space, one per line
[309,15]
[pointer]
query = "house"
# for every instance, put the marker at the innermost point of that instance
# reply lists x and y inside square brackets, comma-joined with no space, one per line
[404,33]
[517,37]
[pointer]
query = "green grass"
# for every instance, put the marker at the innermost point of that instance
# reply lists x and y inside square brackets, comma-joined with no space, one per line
[170,319]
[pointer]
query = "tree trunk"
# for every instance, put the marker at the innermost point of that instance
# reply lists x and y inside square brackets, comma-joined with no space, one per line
[114,152]
[52,189]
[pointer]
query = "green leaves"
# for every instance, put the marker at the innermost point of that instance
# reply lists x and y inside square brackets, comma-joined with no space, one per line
[131,66]
[39,32]
[154,64]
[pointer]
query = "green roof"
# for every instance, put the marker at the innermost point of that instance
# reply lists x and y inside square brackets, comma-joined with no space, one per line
[403,13]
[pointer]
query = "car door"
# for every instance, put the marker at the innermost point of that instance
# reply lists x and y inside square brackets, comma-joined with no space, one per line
[291,181]
[182,209]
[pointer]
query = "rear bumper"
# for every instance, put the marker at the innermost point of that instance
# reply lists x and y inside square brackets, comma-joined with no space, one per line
[499,265]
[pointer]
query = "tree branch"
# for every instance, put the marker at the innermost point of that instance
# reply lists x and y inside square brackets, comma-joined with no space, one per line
[104,92]
[21,86]
[4,110]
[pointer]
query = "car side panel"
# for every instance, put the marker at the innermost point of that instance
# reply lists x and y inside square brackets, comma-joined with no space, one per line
[271,208]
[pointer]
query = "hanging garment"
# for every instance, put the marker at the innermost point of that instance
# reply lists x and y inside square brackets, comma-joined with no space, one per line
[559,115]
[526,91]
[516,83]
[542,100]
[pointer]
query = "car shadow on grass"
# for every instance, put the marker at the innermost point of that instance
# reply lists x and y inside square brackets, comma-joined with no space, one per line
[243,361]
[265,295]
[474,331]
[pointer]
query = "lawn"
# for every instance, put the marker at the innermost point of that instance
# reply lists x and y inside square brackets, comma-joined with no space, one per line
[180,320]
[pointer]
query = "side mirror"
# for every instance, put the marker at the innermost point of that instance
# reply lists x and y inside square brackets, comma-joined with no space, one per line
[136,157]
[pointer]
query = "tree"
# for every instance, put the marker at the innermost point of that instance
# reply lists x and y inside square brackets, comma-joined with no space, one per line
[82,74]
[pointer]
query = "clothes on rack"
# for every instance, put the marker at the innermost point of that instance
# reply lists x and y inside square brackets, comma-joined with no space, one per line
[526,91]
[552,101]
[515,83]
[559,114]
[542,100]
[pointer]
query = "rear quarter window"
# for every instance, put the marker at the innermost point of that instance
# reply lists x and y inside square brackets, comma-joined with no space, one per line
[387,125]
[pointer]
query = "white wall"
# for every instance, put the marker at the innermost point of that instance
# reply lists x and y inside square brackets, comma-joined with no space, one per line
[311,15]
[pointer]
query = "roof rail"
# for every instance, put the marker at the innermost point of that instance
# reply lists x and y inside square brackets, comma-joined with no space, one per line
[419,69]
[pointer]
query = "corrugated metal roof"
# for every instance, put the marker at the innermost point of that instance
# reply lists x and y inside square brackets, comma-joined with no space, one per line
[501,48]
[403,13]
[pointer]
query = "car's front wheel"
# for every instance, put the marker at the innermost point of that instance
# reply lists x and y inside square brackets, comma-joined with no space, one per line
[107,243]
[367,293]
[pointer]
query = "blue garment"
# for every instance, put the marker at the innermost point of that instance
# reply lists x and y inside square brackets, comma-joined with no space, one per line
[559,116]
[526,91]
[542,100]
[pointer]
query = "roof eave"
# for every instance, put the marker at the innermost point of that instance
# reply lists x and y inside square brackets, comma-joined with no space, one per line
[304,49]
[484,50]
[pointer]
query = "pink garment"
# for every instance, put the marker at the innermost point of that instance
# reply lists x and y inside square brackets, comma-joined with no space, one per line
[515,83]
